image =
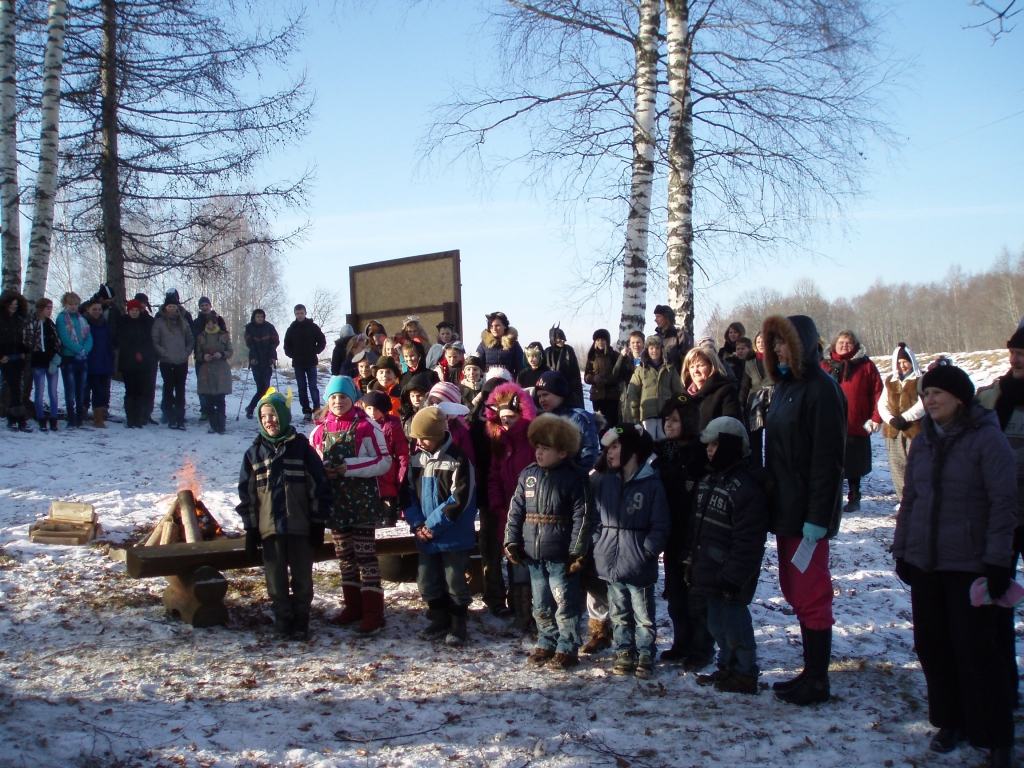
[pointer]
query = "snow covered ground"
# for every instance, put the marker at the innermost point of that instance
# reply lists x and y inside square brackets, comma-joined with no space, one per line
[93,673]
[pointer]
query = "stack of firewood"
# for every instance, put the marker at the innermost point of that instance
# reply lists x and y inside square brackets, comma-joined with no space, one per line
[187,520]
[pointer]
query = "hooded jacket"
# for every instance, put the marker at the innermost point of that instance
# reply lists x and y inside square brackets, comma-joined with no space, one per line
[12,327]
[805,433]
[901,398]
[862,385]
[965,517]
[631,525]
[729,529]
[650,388]
[511,451]
[440,493]
[172,338]
[262,341]
[563,359]
[590,442]
[551,512]
[504,353]
[397,444]
[303,343]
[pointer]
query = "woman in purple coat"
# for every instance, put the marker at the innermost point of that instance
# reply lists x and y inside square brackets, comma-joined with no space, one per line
[954,546]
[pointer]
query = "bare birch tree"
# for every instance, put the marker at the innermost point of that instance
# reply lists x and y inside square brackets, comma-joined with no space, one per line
[49,134]
[10,204]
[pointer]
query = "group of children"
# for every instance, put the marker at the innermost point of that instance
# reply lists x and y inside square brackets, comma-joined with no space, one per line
[570,508]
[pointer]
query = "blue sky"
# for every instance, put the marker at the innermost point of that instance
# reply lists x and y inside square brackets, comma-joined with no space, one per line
[954,193]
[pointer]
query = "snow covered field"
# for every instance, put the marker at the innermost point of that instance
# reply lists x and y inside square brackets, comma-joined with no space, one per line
[93,673]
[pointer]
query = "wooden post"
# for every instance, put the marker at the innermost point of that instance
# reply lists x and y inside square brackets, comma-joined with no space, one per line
[198,597]
[189,521]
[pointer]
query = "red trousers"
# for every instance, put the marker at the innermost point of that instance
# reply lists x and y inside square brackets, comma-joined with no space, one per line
[810,592]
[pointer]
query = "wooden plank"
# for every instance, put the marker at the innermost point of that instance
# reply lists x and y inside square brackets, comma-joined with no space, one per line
[229,554]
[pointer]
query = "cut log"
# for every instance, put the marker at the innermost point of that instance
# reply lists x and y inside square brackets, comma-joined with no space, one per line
[189,521]
[154,536]
[171,534]
[198,597]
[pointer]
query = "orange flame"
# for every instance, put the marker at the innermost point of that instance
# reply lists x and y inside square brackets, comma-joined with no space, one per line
[188,479]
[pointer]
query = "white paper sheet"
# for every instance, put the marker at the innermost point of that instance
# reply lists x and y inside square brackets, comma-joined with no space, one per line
[802,557]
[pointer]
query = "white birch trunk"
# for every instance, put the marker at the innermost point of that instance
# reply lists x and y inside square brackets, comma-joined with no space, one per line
[679,257]
[46,179]
[634,268]
[10,204]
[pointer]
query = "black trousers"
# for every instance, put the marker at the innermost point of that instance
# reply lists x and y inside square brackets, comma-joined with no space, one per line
[285,556]
[959,646]
[609,409]
[135,401]
[174,376]
[12,372]
[261,378]
[689,613]
[149,395]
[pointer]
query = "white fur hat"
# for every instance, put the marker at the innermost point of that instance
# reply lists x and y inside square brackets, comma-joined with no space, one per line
[729,426]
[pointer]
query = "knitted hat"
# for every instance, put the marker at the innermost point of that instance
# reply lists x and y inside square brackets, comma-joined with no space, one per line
[553,382]
[282,407]
[105,291]
[1017,340]
[419,382]
[602,333]
[902,354]
[386,363]
[554,432]
[204,300]
[377,399]
[634,442]
[445,391]
[133,304]
[429,424]
[472,361]
[665,311]
[726,425]
[444,324]
[455,345]
[342,385]
[142,298]
[948,377]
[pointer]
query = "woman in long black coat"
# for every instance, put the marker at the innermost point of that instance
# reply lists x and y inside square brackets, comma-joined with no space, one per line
[135,359]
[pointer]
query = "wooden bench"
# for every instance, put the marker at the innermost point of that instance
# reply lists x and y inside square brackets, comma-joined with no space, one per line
[196,587]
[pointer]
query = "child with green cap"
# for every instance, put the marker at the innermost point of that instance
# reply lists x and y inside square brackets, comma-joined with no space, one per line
[284,499]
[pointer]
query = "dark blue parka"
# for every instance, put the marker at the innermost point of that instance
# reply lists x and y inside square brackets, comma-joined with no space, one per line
[631,526]
[550,512]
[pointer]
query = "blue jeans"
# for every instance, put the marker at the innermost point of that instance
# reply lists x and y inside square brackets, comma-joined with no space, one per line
[556,606]
[76,374]
[305,378]
[42,378]
[733,630]
[631,610]
[444,573]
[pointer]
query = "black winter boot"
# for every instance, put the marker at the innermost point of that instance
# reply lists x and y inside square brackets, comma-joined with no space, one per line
[282,627]
[440,619]
[457,632]
[788,685]
[300,628]
[854,503]
[42,424]
[814,688]
[53,425]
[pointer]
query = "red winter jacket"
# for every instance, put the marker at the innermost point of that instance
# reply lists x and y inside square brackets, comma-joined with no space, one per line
[398,446]
[861,383]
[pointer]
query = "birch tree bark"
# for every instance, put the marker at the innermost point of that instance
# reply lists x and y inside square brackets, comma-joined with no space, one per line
[10,208]
[49,134]
[679,256]
[634,267]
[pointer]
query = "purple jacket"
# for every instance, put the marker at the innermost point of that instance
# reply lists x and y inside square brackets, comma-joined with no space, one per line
[974,520]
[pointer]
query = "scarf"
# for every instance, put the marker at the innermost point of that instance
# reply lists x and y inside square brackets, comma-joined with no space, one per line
[693,389]
[73,329]
[1011,395]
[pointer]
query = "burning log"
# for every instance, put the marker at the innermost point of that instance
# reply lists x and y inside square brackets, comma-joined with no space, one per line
[171,533]
[189,521]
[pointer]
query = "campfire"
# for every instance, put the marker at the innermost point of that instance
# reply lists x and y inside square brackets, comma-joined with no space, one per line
[188,519]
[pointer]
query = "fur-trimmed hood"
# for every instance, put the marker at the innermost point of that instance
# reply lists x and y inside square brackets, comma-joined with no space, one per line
[7,297]
[502,395]
[507,341]
[801,334]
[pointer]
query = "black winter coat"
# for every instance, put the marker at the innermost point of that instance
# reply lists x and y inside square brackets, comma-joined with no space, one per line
[805,434]
[135,343]
[12,327]
[718,397]
[681,466]
[303,343]
[262,341]
[551,512]
[730,526]
[563,359]
[528,377]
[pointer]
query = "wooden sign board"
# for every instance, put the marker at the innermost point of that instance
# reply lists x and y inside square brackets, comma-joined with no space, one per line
[429,286]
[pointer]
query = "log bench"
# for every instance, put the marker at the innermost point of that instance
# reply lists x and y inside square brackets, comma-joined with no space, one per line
[196,587]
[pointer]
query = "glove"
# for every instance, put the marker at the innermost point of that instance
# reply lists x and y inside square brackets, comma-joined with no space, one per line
[898,422]
[905,571]
[316,535]
[253,542]
[730,592]
[814,532]
[514,553]
[871,426]
[1018,539]
[578,564]
[998,580]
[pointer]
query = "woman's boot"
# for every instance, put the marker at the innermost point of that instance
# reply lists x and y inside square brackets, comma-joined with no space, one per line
[600,637]
[353,610]
[788,685]
[373,610]
[814,688]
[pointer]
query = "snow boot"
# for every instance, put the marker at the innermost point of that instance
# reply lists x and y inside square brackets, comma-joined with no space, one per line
[457,632]
[353,610]
[720,675]
[53,425]
[373,610]
[814,688]
[625,664]
[695,662]
[645,668]
[282,627]
[600,637]
[737,682]
[97,417]
[853,504]
[522,600]
[540,656]
[42,424]
[300,628]
[440,619]
[787,685]
[566,660]
[946,740]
